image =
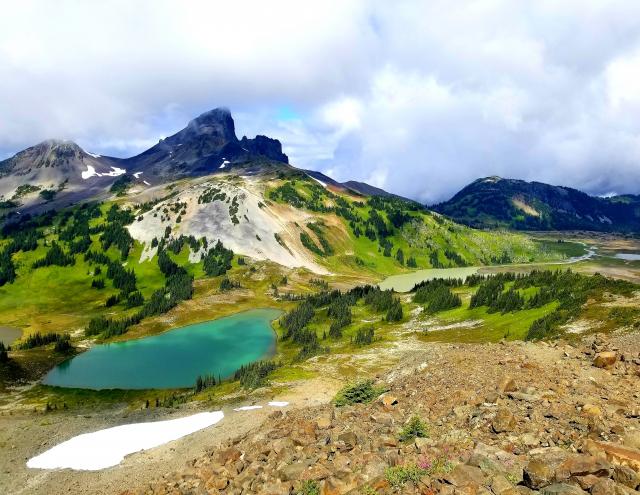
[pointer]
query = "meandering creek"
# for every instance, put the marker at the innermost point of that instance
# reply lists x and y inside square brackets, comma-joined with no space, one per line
[173,359]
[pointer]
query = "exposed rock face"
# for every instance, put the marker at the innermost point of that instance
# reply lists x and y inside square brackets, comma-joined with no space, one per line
[537,441]
[208,144]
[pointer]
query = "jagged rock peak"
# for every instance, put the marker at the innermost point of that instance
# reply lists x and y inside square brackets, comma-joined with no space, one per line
[218,122]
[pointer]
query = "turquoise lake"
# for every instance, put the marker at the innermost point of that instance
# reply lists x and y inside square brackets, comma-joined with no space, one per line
[175,358]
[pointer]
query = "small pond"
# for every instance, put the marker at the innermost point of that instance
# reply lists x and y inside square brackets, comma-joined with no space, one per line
[173,359]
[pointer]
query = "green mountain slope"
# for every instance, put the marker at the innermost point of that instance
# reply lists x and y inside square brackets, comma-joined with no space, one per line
[495,202]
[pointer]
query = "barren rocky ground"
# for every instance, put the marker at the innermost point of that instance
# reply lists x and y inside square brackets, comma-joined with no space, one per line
[502,419]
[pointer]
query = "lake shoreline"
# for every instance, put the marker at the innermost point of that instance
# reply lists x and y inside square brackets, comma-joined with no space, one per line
[149,358]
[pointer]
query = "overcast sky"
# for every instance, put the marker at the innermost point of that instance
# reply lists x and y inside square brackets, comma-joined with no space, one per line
[417,97]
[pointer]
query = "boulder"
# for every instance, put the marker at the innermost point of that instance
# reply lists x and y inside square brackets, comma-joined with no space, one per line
[562,489]
[538,473]
[615,453]
[507,384]
[626,476]
[464,475]
[503,421]
[582,465]
[605,359]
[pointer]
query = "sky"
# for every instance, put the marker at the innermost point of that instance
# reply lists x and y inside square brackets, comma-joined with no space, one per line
[417,97]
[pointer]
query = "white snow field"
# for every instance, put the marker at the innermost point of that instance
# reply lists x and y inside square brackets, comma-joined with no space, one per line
[105,448]
[247,408]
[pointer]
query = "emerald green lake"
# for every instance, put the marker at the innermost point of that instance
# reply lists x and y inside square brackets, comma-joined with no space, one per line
[175,358]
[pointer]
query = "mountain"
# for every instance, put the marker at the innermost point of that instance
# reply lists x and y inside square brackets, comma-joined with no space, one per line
[208,144]
[53,166]
[496,202]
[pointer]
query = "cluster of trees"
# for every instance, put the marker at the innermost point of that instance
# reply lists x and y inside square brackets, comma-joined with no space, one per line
[364,336]
[121,184]
[4,355]
[7,267]
[255,374]
[394,313]
[204,382]
[379,300]
[178,287]
[487,293]
[176,245]
[340,311]
[437,296]
[226,284]
[55,256]
[318,229]
[217,260]
[233,210]
[115,234]
[211,194]
[38,339]
[491,293]
[63,344]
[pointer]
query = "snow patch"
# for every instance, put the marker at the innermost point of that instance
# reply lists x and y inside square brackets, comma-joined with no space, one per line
[225,162]
[137,175]
[91,172]
[323,184]
[146,182]
[106,448]
[247,408]
[93,154]
[278,404]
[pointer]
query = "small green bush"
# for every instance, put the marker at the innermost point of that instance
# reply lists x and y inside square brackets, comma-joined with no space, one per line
[309,487]
[358,393]
[415,428]
[398,476]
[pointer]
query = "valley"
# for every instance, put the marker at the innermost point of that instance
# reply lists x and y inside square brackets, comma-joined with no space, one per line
[233,282]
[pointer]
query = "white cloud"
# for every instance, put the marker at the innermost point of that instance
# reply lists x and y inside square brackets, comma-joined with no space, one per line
[415,96]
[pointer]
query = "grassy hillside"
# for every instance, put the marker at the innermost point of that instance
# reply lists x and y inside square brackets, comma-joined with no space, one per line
[391,235]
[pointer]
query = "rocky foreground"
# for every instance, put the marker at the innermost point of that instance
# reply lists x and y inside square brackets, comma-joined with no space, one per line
[503,419]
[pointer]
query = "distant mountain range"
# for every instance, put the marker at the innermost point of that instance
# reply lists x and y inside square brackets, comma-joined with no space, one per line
[56,174]
[494,202]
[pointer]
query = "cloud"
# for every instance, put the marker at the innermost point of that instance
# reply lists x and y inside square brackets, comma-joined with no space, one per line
[413,96]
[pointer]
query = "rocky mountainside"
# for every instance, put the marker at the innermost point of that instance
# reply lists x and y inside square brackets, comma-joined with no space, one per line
[495,202]
[206,145]
[493,419]
[56,166]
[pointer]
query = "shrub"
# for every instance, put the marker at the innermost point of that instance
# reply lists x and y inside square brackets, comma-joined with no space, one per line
[398,476]
[309,487]
[359,393]
[415,428]
[364,335]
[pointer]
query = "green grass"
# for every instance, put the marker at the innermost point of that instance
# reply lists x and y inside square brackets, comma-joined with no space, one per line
[495,326]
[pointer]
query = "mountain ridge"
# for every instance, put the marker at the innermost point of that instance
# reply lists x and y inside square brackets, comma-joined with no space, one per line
[206,145]
[496,202]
